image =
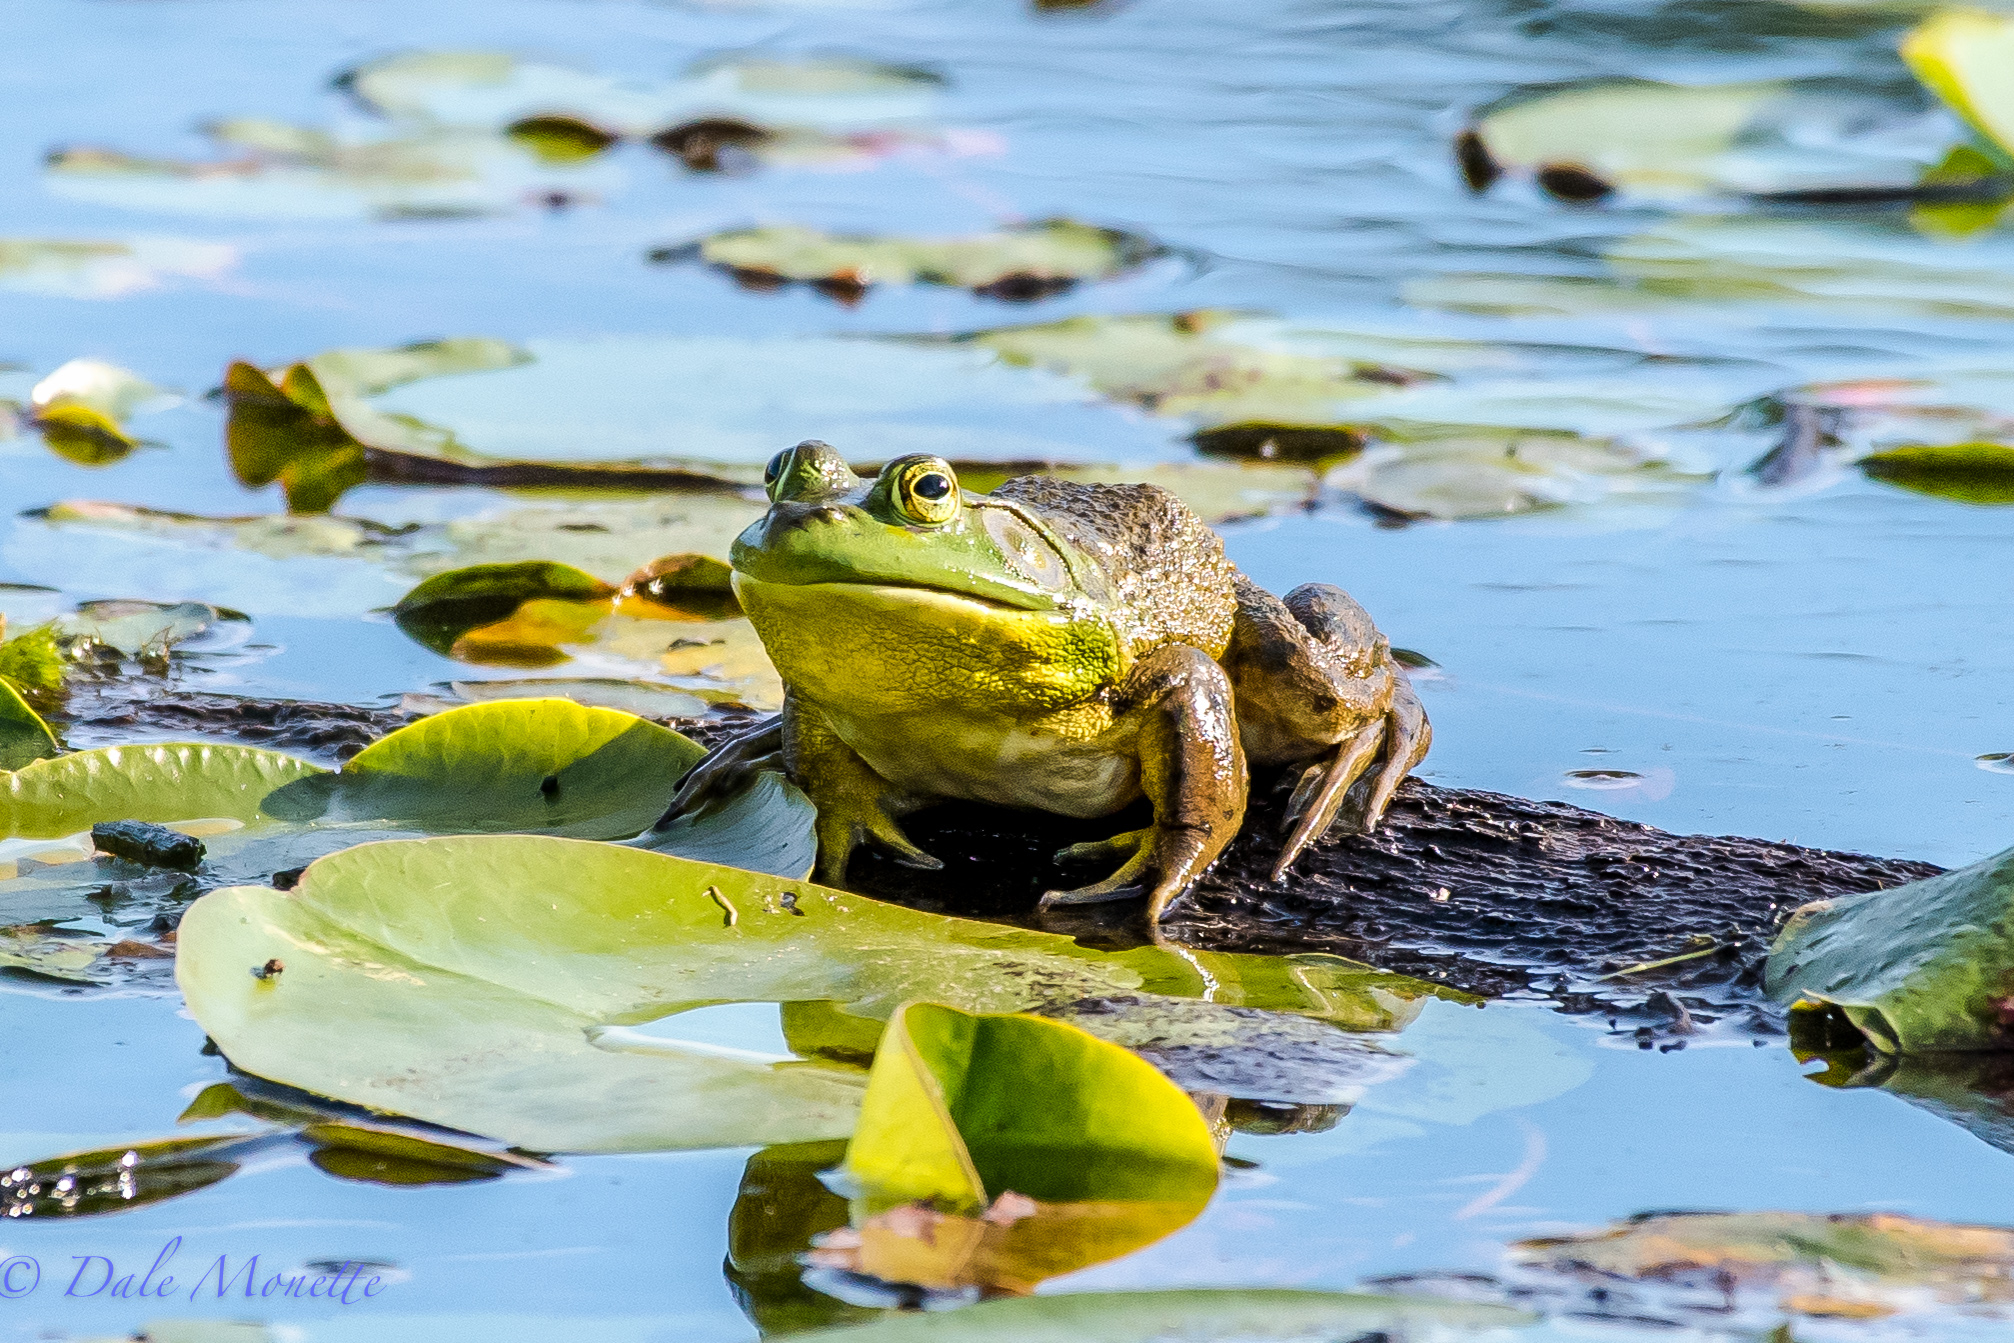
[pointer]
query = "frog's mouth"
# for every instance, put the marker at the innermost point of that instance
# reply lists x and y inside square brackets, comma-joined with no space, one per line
[881,591]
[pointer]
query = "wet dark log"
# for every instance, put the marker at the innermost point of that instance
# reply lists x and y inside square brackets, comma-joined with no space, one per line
[1482,892]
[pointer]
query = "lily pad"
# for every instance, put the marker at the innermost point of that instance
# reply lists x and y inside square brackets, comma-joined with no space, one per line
[1974,473]
[1029,262]
[274,170]
[1918,968]
[533,961]
[107,268]
[1967,58]
[1257,1315]
[1666,142]
[945,1119]
[546,765]
[493,89]
[160,783]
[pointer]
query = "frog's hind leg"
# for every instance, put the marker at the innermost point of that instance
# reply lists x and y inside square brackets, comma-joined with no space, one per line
[1317,685]
[1177,706]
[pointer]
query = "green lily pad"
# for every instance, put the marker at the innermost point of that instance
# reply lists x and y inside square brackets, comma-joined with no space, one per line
[1028,262]
[498,985]
[1255,1315]
[549,766]
[273,170]
[33,663]
[1967,58]
[160,783]
[107,269]
[446,606]
[1919,968]
[946,1120]
[1665,142]
[494,89]
[145,629]
[1975,473]
[24,737]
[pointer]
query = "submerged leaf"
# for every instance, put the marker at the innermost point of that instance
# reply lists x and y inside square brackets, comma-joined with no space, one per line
[497,984]
[1918,968]
[1195,1315]
[33,663]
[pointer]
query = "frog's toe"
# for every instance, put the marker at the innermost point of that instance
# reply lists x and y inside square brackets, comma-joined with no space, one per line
[1321,791]
[1121,885]
[1116,849]
[726,768]
[1408,734]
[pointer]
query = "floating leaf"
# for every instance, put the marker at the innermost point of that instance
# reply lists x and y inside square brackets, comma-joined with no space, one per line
[161,783]
[1115,1157]
[24,737]
[1254,1315]
[1918,968]
[545,765]
[78,269]
[1965,58]
[446,606]
[1975,473]
[1470,474]
[145,629]
[272,170]
[497,985]
[1028,262]
[1669,142]
[946,1121]
[313,431]
[494,89]
[33,663]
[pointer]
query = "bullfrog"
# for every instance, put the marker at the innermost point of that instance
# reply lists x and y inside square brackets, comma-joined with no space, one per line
[1052,646]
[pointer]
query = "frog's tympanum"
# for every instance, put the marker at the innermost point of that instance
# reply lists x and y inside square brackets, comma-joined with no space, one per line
[1067,648]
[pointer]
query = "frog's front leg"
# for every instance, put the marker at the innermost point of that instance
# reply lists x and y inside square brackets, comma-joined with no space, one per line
[1175,714]
[854,803]
[1316,683]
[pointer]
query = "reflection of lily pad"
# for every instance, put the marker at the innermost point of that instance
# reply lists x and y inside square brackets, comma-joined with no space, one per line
[494,983]
[1023,263]
[1919,968]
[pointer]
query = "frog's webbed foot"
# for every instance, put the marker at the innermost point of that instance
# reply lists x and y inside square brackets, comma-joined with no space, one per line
[728,766]
[1192,770]
[845,823]
[1339,789]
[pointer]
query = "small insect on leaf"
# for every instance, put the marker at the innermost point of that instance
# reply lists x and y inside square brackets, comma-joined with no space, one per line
[270,970]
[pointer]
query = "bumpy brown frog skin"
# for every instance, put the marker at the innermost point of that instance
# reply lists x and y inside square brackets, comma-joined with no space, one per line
[1054,646]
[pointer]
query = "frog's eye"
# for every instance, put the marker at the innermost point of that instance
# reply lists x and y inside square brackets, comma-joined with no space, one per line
[774,471]
[926,490]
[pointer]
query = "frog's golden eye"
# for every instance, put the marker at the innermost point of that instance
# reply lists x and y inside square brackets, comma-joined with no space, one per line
[927,491]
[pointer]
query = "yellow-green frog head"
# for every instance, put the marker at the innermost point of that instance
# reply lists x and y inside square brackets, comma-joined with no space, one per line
[905,584]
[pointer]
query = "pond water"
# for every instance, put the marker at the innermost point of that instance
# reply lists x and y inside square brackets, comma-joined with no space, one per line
[1824,661]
